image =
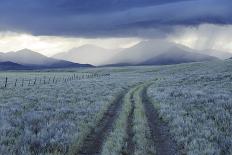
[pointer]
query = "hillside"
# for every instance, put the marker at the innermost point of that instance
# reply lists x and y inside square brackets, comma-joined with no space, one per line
[176,57]
[27,57]
[11,66]
[31,59]
[219,54]
[158,53]
[91,54]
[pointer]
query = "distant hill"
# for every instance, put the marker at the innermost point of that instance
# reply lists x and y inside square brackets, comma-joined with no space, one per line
[88,54]
[11,66]
[34,60]
[157,52]
[177,57]
[67,64]
[215,53]
[27,57]
[219,54]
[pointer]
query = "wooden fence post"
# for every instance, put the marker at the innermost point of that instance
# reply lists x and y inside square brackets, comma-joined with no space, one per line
[35,81]
[54,79]
[15,82]
[6,82]
[22,82]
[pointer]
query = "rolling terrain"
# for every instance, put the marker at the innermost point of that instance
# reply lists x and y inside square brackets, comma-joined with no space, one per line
[175,109]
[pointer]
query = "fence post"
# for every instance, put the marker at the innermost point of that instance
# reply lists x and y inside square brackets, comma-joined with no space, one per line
[35,81]
[6,82]
[22,82]
[54,79]
[29,82]
[15,82]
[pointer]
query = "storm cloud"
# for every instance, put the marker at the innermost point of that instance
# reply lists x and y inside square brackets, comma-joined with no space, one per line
[110,18]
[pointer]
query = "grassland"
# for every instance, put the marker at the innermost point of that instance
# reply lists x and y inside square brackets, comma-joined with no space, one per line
[192,101]
[196,101]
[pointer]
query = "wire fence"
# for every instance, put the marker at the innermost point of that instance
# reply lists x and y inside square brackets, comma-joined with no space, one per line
[7,82]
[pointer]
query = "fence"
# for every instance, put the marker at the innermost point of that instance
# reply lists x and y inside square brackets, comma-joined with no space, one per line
[21,82]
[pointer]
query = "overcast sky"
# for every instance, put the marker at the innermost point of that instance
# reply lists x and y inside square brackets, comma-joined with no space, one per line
[51,26]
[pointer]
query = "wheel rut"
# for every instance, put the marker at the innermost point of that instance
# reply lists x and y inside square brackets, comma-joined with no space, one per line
[159,130]
[130,146]
[92,144]
[160,135]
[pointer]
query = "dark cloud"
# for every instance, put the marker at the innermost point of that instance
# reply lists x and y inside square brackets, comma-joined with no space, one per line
[107,18]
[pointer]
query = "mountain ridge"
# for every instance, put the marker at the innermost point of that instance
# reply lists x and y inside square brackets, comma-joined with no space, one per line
[33,60]
[7,65]
[88,53]
[158,52]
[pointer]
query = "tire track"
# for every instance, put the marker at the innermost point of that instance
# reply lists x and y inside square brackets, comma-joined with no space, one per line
[93,142]
[159,130]
[130,146]
[160,135]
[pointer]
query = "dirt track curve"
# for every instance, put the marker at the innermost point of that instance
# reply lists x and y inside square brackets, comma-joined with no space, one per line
[161,137]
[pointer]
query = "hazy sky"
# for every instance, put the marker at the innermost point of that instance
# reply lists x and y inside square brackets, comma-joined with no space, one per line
[51,26]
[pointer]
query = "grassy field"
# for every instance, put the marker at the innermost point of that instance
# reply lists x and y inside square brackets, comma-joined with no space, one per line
[179,109]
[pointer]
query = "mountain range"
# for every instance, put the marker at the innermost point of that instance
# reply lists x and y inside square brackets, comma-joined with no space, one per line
[88,54]
[219,54]
[7,65]
[27,59]
[153,52]
[159,52]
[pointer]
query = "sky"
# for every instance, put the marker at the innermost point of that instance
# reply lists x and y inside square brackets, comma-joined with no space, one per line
[53,26]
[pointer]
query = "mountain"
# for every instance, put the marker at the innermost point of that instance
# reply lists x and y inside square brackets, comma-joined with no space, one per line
[88,54]
[11,66]
[176,57]
[158,52]
[211,52]
[67,64]
[138,53]
[32,59]
[219,54]
[27,57]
